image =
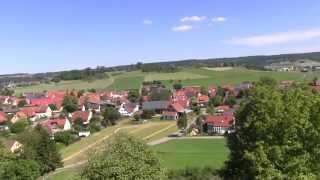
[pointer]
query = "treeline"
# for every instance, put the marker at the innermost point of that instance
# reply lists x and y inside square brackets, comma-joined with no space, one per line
[157,67]
[86,74]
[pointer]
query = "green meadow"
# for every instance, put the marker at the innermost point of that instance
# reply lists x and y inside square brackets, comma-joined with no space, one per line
[187,76]
[178,154]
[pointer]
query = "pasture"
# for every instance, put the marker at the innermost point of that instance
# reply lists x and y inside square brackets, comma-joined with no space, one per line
[181,153]
[187,76]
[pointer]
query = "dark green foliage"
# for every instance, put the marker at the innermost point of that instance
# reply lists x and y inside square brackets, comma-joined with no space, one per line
[194,106]
[216,101]
[56,79]
[204,90]
[134,95]
[111,116]
[92,90]
[12,167]
[137,117]
[19,126]
[70,103]
[95,124]
[231,101]
[177,86]
[38,146]
[161,95]
[192,173]
[277,135]
[6,92]
[64,137]
[147,114]
[182,122]
[53,107]
[78,125]
[86,74]
[22,103]
[159,68]
[123,158]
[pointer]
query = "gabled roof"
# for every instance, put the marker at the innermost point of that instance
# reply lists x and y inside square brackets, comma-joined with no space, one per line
[83,115]
[177,107]
[203,98]
[221,120]
[155,105]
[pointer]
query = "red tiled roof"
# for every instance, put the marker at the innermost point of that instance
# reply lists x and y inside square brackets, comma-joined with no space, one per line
[3,117]
[223,120]
[83,115]
[52,124]
[41,102]
[29,111]
[177,107]
[183,103]
[203,98]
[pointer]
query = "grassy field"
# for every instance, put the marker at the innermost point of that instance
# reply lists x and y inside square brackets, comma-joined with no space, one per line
[237,76]
[63,85]
[188,76]
[182,153]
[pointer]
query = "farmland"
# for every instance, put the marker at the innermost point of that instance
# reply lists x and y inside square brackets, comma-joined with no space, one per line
[177,154]
[187,76]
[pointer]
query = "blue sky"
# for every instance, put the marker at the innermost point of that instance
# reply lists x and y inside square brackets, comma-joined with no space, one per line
[51,35]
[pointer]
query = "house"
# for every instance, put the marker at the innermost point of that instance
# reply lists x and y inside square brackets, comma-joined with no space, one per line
[212,91]
[220,124]
[56,125]
[36,112]
[3,117]
[157,106]
[173,112]
[170,115]
[18,116]
[203,100]
[90,101]
[43,112]
[128,109]
[84,116]
[12,145]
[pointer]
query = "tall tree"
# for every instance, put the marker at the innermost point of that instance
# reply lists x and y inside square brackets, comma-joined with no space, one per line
[40,147]
[182,122]
[13,167]
[123,158]
[276,135]
[70,103]
[111,115]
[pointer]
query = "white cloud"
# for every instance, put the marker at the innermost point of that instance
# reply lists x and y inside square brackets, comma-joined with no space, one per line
[219,19]
[277,38]
[147,22]
[193,18]
[182,28]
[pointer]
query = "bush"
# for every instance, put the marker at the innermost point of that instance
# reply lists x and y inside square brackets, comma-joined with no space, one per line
[147,114]
[19,126]
[64,137]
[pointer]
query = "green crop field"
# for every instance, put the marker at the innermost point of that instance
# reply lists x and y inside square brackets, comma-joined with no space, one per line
[188,76]
[63,85]
[183,153]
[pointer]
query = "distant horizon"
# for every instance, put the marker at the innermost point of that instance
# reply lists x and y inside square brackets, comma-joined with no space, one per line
[42,36]
[159,61]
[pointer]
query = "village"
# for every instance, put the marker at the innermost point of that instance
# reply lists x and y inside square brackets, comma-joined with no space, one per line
[82,113]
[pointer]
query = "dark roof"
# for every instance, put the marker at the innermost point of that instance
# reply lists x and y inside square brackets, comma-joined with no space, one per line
[154,105]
